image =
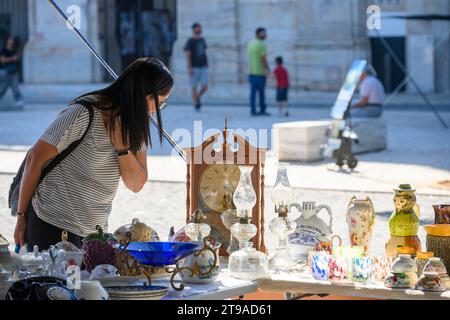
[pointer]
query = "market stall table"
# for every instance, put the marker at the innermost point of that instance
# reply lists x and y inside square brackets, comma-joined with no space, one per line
[300,282]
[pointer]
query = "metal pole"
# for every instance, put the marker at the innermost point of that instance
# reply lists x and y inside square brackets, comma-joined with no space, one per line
[419,90]
[114,75]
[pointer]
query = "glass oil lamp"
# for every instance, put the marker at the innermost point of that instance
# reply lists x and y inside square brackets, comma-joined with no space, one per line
[282,225]
[197,229]
[247,263]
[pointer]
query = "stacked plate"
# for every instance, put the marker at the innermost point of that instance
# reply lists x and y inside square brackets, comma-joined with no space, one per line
[137,292]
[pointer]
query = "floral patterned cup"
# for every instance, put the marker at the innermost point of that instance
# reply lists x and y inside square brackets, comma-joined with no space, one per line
[338,269]
[362,269]
[319,265]
[381,267]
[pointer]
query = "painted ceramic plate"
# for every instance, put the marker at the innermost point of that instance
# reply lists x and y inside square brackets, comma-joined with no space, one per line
[137,290]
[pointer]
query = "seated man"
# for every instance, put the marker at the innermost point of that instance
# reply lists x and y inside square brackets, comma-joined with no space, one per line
[372,95]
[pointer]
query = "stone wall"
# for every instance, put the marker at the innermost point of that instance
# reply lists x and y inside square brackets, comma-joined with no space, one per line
[54,54]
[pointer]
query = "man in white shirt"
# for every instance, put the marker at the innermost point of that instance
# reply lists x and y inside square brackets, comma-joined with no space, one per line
[372,95]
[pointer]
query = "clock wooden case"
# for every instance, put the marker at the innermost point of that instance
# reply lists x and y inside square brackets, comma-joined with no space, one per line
[212,177]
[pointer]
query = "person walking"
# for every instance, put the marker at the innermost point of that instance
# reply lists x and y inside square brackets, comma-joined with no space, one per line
[111,128]
[282,77]
[258,71]
[9,71]
[197,64]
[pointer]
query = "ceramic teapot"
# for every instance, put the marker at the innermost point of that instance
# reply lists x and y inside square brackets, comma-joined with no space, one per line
[311,229]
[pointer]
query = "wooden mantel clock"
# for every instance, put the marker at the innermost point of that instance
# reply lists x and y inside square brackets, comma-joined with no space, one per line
[212,177]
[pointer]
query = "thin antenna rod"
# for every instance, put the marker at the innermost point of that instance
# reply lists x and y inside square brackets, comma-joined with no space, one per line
[114,75]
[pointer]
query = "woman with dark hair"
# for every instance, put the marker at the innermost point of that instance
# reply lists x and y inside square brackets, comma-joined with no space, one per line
[77,194]
[9,71]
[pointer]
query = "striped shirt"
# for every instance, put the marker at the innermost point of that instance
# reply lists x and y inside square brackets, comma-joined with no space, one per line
[77,194]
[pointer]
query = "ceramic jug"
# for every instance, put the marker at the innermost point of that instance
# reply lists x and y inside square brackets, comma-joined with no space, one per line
[360,221]
[311,229]
[442,214]
[404,222]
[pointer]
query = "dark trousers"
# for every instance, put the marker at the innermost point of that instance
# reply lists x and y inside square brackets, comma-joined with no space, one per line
[43,234]
[257,84]
[8,80]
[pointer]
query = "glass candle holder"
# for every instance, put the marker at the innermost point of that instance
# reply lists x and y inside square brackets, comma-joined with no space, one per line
[338,269]
[319,265]
[381,267]
[362,269]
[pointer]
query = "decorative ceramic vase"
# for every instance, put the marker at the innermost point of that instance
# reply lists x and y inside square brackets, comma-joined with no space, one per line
[91,290]
[403,273]
[404,222]
[442,214]
[319,265]
[381,267]
[362,269]
[311,229]
[430,281]
[360,220]
[338,269]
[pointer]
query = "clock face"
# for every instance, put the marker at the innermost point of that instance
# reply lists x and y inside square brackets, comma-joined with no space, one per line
[217,185]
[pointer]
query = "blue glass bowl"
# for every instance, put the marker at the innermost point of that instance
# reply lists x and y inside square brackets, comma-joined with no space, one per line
[161,253]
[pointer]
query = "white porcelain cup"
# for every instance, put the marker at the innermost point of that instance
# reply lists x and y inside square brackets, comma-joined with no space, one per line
[91,290]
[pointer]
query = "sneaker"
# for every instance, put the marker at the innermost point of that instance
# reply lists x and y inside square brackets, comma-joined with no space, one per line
[287,114]
[198,106]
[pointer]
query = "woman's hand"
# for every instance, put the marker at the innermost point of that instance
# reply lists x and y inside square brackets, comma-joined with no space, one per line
[19,231]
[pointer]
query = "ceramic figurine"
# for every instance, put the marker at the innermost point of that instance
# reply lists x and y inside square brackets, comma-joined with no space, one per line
[74,256]
[98,248]
[360,221]
[381,267]
[404,222]
[362,269]
[319,265]
[430,281]
[311,229]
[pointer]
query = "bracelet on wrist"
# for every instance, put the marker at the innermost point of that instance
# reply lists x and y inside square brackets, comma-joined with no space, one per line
[20,214]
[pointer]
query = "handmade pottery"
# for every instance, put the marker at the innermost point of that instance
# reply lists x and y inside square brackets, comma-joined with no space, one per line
[98,248]
[319,265]
[91,290]
[139,231]
[362,269]
[436,265]
[311,229]
[430,281]
[360,221]
[403,273]
[73,255]
[404,222]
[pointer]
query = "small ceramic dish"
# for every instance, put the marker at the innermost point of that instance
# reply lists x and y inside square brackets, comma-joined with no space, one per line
[120,281]
[430,281]
[137,292]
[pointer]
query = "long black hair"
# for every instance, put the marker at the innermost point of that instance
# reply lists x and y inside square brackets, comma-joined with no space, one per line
[126,98]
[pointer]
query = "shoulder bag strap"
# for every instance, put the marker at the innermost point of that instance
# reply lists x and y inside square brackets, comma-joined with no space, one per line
[70,148]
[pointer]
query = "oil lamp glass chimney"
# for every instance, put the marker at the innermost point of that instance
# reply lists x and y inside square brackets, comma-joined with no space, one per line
[247,263]
[282,225]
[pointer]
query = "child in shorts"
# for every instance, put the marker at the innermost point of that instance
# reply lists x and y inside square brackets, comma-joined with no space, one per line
[282,77]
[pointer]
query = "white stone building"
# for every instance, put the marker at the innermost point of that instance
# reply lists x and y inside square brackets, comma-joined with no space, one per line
[318,39]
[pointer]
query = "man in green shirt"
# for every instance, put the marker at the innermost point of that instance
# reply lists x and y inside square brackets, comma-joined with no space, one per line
[258,70]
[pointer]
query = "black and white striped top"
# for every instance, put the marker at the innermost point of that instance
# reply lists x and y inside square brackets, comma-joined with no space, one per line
[77,194]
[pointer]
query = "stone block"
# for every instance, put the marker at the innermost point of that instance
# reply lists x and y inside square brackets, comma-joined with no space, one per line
[372,133]
[299,141]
